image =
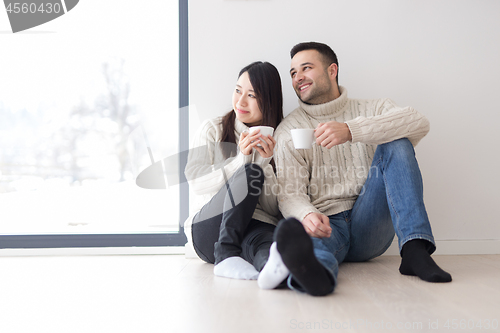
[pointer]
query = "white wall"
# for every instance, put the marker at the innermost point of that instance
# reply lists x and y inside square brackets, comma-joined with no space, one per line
[440,56]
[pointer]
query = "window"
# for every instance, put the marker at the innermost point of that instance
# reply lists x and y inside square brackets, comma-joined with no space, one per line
[84,111]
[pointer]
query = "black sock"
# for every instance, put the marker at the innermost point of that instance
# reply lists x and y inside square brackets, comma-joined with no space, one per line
[297,253]
[418,262]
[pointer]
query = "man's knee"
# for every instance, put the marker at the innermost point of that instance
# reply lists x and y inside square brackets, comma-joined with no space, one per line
[402,143]
[400,146]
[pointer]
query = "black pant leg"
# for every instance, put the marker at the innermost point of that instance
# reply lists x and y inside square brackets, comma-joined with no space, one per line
[205,234]
[242,189]
[245,194]
[257,242]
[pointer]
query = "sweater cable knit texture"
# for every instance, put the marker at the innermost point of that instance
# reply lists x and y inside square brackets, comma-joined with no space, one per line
[328,181]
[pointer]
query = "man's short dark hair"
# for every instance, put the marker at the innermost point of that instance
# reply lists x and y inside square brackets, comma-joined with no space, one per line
[329,57]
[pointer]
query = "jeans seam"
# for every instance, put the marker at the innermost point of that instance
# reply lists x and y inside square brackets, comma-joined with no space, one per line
[379,161]
[344,245]
[340,250]
[389,201]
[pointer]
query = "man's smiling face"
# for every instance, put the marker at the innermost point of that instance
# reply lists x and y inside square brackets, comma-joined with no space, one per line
[312,80]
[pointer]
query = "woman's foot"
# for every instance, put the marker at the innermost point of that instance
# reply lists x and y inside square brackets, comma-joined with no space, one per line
[274,272]
[236,268]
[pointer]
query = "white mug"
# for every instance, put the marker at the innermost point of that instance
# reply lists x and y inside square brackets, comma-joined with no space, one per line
[303,138]
[264,130]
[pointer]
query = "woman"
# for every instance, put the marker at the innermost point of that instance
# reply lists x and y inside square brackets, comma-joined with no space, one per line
[231,172]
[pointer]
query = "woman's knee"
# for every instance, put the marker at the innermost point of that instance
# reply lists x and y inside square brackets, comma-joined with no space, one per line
[255,176]
[254,171]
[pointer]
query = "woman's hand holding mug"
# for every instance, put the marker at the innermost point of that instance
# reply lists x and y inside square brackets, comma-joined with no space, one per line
[264,144]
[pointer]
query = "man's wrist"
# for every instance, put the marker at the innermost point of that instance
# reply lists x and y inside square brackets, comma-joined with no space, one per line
[312,212]
[349,134]
[305,216]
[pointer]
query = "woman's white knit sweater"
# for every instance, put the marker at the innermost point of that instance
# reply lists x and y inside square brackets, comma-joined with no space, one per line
[328,181]
[205,177]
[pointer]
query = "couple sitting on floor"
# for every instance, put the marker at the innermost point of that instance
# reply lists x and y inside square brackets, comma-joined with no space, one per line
[343,199]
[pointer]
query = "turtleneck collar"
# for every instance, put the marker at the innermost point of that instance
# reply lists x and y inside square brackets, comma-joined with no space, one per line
[328,109]
[239,127]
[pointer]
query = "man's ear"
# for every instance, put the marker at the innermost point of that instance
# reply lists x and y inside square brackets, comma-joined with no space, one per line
[332,71]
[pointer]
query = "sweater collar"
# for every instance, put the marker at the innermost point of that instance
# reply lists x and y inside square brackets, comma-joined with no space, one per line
[239,127]
[329,109]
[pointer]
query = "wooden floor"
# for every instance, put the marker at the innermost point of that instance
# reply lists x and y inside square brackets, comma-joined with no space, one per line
[168,293]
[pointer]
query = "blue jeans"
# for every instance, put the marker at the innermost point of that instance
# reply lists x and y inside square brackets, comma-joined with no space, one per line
[391,202]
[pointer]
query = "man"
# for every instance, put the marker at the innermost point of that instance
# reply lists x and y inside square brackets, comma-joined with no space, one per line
[346,197]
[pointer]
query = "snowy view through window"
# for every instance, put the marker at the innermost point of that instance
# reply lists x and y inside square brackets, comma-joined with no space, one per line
[81,99]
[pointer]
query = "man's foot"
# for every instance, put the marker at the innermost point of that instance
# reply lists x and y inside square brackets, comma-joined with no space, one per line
[274,272]
[236,268]
[297,252]
[417,261]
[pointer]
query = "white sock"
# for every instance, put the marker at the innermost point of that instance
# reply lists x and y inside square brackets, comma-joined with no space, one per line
[274,272]
[236,268]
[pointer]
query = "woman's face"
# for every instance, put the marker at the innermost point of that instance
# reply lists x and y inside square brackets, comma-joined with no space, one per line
[245,102]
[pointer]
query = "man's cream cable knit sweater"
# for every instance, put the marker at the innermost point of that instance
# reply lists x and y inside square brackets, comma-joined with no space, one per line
[205,177]
[328,181]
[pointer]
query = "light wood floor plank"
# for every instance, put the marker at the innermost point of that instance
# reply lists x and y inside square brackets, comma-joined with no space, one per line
[168,293]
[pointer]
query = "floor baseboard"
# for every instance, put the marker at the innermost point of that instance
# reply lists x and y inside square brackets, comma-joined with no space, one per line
[457,247]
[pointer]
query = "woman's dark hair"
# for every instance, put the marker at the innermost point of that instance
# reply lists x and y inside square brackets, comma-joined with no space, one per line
[329,57]
[266,83]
